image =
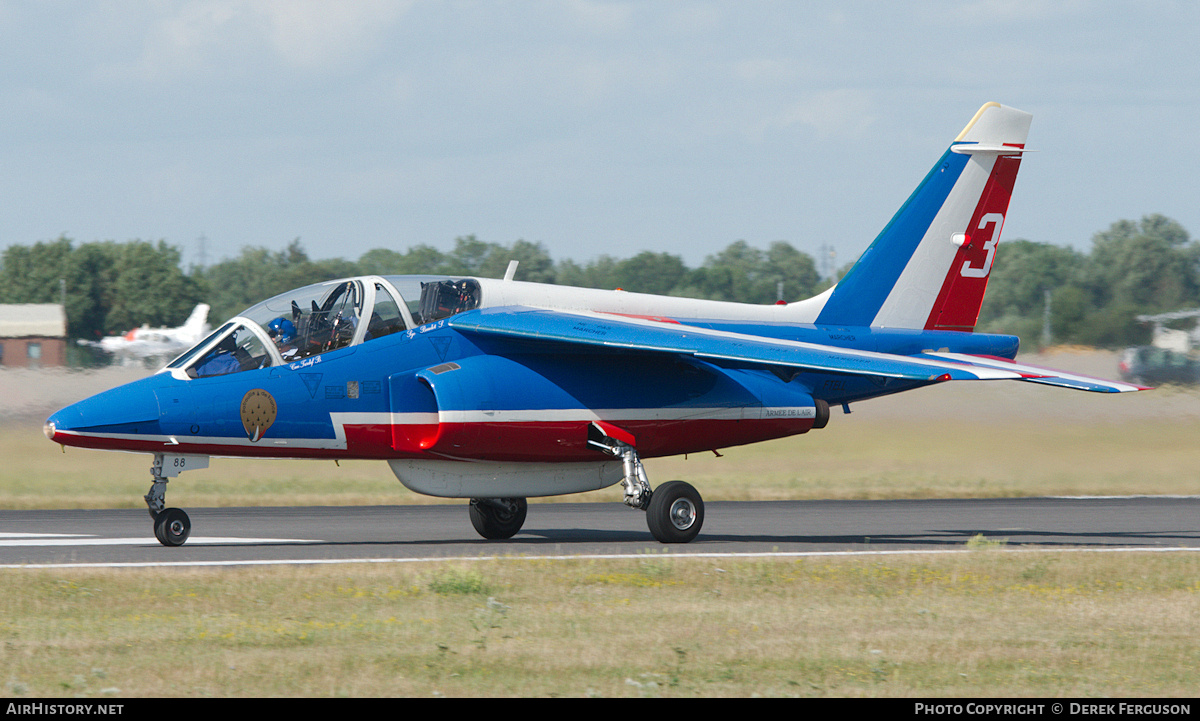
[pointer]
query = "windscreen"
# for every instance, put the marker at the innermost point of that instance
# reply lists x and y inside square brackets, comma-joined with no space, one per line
[444,298]
[311,320]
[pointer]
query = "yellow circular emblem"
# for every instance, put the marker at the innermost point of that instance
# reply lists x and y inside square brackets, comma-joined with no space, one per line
[258,413]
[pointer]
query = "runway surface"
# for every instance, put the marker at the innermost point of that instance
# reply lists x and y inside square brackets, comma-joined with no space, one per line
[412,533]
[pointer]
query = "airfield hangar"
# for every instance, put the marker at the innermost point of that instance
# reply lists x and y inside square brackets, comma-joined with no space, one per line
[33,335]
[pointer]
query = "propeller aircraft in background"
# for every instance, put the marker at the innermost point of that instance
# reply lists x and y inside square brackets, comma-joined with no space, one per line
[497,390]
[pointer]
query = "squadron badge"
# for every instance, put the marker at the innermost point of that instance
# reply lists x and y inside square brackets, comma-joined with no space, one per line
[258,413]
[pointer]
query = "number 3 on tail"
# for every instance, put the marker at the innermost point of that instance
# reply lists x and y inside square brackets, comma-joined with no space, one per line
[989,245]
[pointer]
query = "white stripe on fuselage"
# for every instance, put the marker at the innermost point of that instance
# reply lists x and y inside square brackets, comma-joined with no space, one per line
[499,293]
[339,422]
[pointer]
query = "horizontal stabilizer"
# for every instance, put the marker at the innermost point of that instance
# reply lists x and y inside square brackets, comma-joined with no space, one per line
[968,149]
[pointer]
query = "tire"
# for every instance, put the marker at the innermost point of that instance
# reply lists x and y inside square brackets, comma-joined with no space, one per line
[498,518]
[676,512]
[172,527]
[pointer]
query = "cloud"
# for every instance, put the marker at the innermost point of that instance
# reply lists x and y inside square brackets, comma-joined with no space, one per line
[833,113]
[599,17]
[311,33]
[184,38]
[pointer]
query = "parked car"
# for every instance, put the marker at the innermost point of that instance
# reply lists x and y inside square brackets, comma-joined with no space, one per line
[1150,365]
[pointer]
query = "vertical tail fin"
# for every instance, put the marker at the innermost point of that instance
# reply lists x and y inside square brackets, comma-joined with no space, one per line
[929,267]
[197,322]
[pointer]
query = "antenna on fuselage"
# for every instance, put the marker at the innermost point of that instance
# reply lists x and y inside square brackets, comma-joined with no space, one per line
[512,270]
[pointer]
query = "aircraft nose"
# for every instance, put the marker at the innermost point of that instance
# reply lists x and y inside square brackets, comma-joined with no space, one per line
[107,419]
[62,422]
[50,427]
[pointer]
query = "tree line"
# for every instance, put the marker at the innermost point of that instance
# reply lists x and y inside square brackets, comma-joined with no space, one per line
[1092,298]
[1133,268]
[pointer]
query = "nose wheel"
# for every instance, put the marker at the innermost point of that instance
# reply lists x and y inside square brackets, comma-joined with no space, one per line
[172,527]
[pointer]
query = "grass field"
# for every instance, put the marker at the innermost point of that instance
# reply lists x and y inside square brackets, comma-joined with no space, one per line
[988,622]
[985,623]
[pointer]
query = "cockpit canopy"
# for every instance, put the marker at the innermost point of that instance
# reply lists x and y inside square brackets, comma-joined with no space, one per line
[324,317]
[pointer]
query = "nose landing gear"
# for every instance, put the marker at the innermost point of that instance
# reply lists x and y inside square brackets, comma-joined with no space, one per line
[171,525]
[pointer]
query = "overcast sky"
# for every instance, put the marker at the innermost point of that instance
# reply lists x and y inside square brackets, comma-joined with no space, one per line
[591,127]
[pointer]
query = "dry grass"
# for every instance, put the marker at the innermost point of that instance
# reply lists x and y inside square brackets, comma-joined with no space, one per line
[980,624]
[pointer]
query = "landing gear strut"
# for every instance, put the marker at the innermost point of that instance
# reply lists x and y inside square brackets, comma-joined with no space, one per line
[674,512]
[171,525]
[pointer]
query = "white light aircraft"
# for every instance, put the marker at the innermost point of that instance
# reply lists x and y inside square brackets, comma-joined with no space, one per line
[165,343]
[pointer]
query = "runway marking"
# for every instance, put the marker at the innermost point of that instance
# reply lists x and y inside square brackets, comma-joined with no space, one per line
[1120,498]
[81,539]
[596,557]
[10,535]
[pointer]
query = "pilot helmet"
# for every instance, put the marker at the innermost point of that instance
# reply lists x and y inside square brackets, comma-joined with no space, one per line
[282,330]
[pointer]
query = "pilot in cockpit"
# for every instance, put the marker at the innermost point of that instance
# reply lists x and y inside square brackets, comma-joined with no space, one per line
[283,332]
[220,360]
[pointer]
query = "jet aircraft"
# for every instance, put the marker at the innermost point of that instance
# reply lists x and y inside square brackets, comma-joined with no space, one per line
[164,343]
[497,390]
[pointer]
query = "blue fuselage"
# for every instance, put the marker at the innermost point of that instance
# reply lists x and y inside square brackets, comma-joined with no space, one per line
[435,392]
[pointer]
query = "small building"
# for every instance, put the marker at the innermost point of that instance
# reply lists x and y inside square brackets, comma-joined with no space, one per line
[33,335]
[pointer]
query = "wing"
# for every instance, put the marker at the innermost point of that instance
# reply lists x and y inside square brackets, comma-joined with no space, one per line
[1034,374]
[632,333]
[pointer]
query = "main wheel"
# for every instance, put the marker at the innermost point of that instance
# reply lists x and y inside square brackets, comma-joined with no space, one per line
[676,512]
[498,518]
[172,527]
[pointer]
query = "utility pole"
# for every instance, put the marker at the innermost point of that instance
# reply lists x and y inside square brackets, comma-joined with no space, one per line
[1046,320]
[828,260]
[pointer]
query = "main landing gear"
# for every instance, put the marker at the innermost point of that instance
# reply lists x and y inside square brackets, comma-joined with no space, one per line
[674,512]
[171,525]
[498,518]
